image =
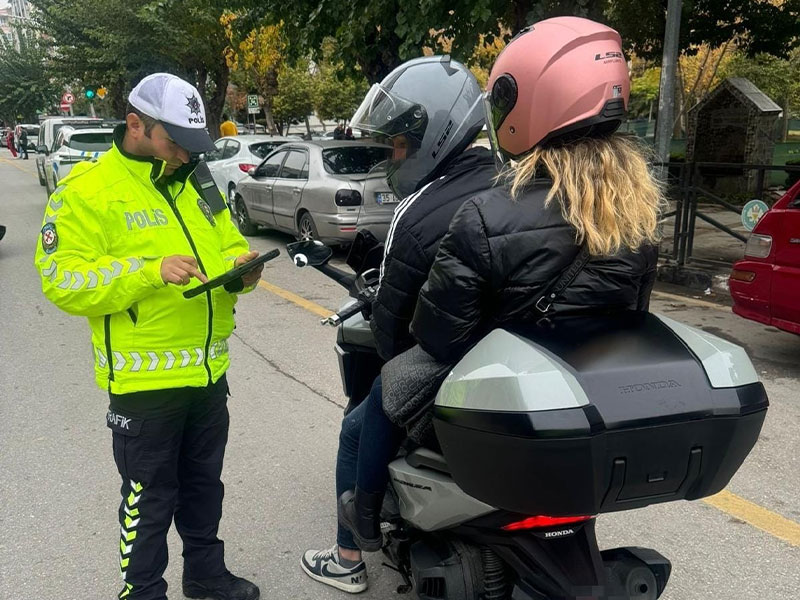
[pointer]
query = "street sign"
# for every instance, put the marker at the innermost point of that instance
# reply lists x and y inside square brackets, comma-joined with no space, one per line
[752,213]
[101,92]
[65,106]
[252,104]
[67,98]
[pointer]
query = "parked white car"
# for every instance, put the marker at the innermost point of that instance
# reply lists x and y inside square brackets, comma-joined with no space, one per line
[236,155]
[73,146]
[47,136]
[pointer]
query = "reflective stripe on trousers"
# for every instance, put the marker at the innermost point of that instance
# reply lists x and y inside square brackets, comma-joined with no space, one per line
[163,360]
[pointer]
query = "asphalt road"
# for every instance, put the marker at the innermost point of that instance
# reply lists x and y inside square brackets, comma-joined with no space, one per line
[59,487]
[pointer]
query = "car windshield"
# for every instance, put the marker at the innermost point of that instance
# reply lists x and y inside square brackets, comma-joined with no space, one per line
[261,149]
[91,142]
[354,160]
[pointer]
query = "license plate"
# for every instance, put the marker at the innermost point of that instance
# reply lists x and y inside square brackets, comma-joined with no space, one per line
[385,198]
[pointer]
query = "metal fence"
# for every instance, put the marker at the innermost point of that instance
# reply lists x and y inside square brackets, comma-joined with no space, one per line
[691,196]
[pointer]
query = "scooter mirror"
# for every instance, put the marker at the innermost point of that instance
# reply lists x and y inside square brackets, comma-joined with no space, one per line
[310,252]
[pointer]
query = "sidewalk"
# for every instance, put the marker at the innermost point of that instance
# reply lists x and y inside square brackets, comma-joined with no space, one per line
[713,252]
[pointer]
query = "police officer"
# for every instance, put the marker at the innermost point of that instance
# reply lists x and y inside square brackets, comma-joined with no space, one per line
[122,238]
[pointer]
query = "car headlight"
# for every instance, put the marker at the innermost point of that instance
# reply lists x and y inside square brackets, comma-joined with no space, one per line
[758,246]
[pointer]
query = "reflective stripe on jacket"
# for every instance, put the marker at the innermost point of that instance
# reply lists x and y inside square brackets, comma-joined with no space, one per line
[106,229]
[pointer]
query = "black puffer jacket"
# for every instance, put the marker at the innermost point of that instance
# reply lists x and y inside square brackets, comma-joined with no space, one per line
[420,223]
[495,262]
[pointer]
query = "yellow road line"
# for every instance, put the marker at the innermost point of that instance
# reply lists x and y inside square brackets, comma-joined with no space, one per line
[16,166]
[757,516]
[310,306]
[731,504]
[691,301]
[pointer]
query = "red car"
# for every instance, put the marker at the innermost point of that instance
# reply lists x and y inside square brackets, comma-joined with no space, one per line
[765,284]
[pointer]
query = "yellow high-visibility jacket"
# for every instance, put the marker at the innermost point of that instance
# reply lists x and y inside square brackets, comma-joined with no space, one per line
[106,229]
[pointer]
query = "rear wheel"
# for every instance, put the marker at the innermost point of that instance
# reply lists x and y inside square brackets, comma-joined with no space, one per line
[246,226]
[47,188]
[306,229]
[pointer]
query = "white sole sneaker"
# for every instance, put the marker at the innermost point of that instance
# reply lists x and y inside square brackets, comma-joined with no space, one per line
[351,582]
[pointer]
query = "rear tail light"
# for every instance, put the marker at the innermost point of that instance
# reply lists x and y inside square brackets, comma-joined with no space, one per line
[738,275]
[348,198]
[245,167]
[758,246]
[543,521]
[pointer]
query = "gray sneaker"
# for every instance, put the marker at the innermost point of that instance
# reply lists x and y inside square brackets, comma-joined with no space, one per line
[323,565]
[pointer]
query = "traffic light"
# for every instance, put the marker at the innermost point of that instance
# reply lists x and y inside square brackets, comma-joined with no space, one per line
[90,92]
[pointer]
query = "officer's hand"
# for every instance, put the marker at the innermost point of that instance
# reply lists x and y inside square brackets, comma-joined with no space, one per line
[179,270]
[251,277]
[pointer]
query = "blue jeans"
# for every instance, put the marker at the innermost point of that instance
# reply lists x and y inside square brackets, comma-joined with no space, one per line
[367,444]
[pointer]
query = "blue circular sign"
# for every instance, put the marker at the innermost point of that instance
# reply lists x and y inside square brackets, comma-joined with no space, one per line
[752,213]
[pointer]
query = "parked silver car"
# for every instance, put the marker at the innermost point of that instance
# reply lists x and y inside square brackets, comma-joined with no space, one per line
[322,190]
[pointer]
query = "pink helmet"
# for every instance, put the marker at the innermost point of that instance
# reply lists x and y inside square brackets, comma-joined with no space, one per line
[557,80]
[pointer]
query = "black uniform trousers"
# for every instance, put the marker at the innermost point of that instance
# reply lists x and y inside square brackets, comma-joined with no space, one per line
[169,447]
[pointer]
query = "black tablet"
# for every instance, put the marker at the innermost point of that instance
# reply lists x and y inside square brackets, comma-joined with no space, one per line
[231,276]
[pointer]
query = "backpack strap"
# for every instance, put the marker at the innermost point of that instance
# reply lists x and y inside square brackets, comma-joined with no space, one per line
[556,287]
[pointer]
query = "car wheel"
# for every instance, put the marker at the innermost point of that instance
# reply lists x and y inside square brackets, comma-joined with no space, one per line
[39,173]
[306,230]
[246,226]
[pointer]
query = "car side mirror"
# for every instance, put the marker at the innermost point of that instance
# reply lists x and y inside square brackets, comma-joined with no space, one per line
[251,172]
[42,150]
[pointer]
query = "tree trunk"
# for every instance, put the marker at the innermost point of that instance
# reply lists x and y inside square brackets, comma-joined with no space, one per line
[271,128]
[308,126]
[521,10]
[785,120]
[216,103]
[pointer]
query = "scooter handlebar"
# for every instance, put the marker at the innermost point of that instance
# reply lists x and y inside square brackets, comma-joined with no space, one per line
[336,319]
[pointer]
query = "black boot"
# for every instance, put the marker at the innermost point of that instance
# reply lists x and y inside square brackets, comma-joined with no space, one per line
[360,512]
[224,587]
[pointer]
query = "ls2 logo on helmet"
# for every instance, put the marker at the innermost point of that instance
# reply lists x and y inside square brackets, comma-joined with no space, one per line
[609,56]
[194,107]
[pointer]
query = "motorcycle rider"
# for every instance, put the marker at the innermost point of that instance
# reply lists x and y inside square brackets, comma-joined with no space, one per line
[430,110]
[577,193]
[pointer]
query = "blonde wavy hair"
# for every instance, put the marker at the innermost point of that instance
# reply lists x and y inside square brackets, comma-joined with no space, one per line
[605,189]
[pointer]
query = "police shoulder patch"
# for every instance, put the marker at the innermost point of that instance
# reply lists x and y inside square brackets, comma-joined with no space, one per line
[206,210]
[49,238]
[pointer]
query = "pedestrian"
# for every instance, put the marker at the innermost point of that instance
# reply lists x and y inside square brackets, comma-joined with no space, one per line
[23,143]
[338,132]
[227,127]
[17,131]
[348,134]
[122,238]
[10,143]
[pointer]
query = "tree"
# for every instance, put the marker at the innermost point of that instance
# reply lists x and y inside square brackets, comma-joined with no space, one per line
[757,25]
[644,92]
[116,43]
[256,57]
[295,98]
[338,92]
[25,87]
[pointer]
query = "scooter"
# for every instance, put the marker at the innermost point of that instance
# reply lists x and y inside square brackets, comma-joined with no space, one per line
[541,429]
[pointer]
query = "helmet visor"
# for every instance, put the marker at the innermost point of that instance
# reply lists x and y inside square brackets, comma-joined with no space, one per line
[383,113]
[491,129]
